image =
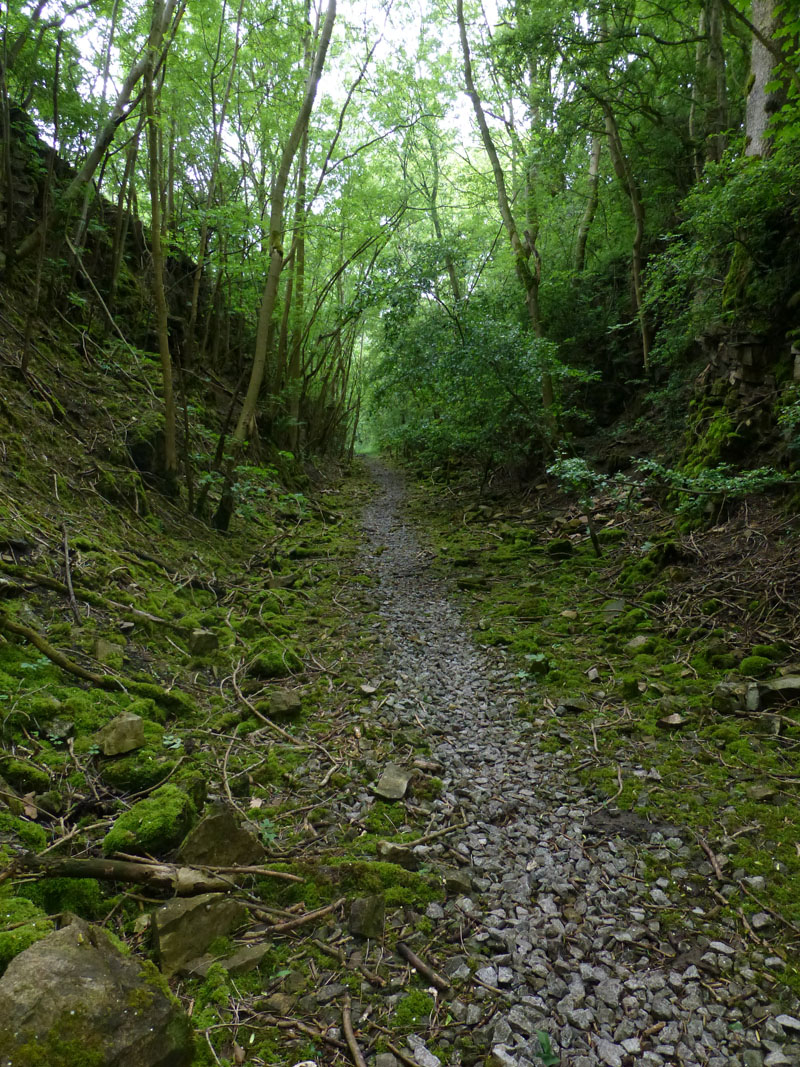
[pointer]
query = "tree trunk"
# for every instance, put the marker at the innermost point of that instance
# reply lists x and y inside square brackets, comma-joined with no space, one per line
[718,90]
[522,249]
[591,204]
[762,67]
[159,295]
[119,112]
[622,169]
[270,294]
[210,194]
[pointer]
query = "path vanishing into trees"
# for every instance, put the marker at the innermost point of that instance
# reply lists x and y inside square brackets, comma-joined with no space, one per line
[559,946]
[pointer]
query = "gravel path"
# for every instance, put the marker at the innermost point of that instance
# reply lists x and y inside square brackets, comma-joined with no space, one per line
[573,941]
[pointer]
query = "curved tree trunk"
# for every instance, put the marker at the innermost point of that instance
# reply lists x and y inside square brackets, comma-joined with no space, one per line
[522,249]
[265,332]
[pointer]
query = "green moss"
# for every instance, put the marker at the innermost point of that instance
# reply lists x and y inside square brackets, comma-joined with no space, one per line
[69,1043]
[413,1011]
[274,660]
[24,776]
[33,926]
[55,895]
[383,818]
[771,652]
[28,833]
[154,825]
[755,666]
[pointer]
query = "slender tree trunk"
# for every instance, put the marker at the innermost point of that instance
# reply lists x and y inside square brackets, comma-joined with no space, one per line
[522,249]
[264,330]
[124,209]
[697,95]
[298,306]
[718,90]
[591,204]
[170,17]
[154,176]
[33,310]
[622,169]
[219,129]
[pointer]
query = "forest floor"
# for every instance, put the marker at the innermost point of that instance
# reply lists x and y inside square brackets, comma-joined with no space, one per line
[537,806]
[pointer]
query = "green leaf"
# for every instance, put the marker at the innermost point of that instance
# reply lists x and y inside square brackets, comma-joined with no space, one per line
[548,1057]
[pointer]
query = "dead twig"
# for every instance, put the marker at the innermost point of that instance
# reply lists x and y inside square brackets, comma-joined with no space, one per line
[310,917]
[347,1026]
[420,966]
[73,603]
[712,859]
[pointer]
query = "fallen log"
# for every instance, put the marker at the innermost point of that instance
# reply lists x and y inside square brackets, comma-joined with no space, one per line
[184,881]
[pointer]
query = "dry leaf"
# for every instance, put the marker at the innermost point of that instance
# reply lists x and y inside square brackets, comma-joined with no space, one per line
[368,690]
[28,806]
[256,802]
[239,1054]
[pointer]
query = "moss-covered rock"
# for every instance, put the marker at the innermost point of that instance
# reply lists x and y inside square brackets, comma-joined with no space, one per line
[24,776]
[755,666]
[27,833]
[81,896]
[155,825]
[275,660]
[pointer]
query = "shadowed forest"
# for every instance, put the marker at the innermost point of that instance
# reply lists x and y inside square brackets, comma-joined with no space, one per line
[399,562]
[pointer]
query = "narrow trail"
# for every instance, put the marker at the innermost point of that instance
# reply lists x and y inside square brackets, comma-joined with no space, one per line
[570,939]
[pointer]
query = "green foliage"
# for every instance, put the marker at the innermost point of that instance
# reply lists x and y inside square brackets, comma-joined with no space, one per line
[734,249]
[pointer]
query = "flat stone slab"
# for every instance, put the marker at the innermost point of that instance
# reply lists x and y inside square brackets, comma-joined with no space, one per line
[124,733]
[220,840]
[184,928]
[393,783]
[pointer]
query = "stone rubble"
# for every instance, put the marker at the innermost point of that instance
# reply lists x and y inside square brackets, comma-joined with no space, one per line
[574,944]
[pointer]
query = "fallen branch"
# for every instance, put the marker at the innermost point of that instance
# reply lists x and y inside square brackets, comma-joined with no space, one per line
[427,972]
[712,859]
[347,1026]
[185,881]
[301,920]
[101,681]
[73,603]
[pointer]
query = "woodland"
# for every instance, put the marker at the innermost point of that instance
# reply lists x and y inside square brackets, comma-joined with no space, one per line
[541,257]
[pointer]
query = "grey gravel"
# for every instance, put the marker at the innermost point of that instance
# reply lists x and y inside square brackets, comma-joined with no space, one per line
[558,920]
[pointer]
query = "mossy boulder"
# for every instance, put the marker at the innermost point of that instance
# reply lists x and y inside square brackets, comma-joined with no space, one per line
[81,896]
[142,770]
[155,825]
[73,1000]
[29,834]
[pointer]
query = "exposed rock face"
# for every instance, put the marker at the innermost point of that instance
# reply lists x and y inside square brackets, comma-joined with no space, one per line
[220,840]
[73,1000]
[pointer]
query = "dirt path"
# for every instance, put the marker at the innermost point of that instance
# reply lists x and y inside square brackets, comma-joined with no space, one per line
[569,946]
